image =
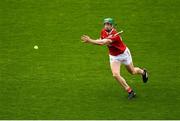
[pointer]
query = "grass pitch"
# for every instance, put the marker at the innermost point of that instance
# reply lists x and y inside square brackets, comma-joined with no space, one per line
[66,79]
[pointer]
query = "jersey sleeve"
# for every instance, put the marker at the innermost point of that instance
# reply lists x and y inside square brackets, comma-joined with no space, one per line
[101,35]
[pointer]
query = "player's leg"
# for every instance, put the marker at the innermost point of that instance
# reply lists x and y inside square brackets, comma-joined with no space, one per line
[115,68]
[134,70]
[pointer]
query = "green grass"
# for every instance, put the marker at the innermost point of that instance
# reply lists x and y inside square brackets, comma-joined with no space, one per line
[66,79]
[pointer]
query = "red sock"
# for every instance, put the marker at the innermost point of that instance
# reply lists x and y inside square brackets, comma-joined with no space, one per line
[129,90]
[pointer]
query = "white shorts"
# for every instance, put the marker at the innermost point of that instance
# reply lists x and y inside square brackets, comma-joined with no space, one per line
[125,58]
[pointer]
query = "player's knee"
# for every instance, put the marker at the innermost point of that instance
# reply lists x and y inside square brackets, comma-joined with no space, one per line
[133,72]
[116,74]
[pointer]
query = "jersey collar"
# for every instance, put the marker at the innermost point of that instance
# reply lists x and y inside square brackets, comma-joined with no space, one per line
[109,33]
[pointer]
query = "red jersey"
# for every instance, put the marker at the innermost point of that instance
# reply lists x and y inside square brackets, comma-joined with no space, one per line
[117,46]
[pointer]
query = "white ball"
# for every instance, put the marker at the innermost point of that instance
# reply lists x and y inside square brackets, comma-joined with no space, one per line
[36,47]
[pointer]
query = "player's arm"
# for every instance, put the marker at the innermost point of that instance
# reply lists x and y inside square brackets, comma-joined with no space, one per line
[87,39]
